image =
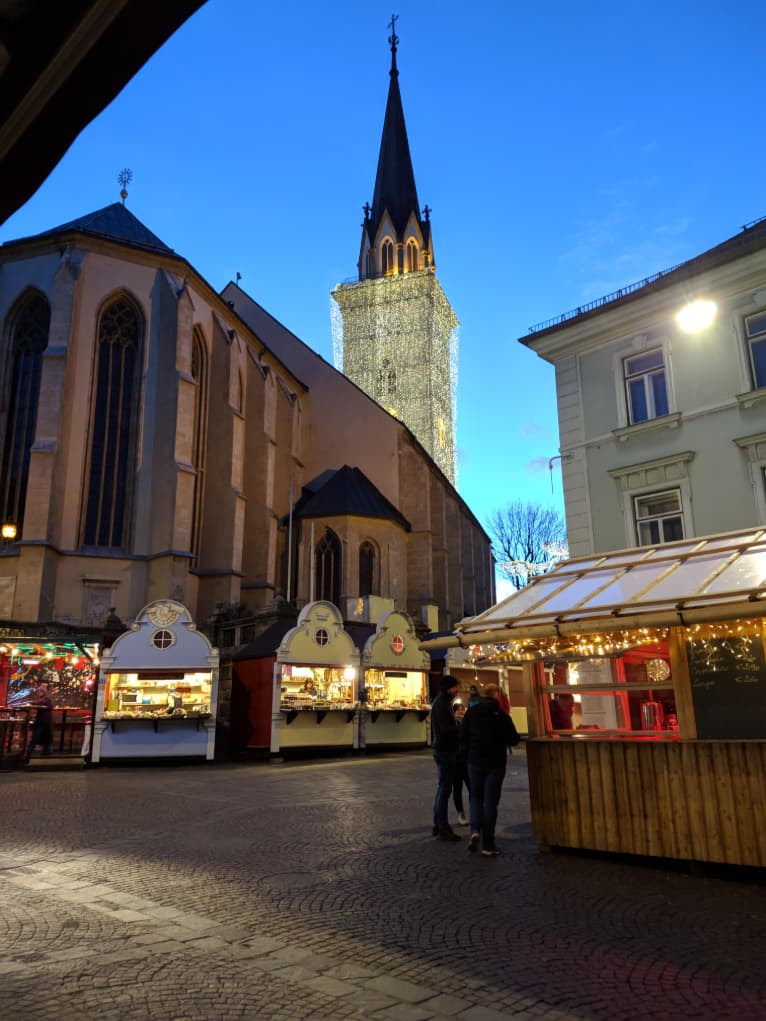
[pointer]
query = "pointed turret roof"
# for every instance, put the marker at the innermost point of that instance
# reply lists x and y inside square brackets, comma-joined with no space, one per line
[395,190]
[114,223]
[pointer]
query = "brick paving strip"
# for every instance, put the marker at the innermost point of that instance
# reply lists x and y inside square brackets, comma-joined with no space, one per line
[171,930]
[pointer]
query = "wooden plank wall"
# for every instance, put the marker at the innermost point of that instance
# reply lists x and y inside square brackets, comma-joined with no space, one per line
[693,800]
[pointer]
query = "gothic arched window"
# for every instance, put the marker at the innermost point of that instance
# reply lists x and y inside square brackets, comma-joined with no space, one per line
[113,425]
[367,570]
[29,338]
[387,257]
[411,261]
[199,434]
[327,568]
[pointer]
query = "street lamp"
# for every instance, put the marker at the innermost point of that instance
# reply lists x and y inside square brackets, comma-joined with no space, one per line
[696,315]
[8,532]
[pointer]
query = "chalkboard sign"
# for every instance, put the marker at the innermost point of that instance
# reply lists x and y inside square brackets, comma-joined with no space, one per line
[728,679]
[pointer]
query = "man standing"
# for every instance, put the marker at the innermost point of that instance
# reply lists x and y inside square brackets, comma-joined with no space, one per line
[486,734]
[444,739]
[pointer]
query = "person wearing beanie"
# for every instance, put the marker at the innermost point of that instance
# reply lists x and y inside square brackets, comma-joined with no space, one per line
[444,741]
[485,736]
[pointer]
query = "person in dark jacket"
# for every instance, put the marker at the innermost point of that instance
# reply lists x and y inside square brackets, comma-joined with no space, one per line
[485,735]
[444,740]
[42,730]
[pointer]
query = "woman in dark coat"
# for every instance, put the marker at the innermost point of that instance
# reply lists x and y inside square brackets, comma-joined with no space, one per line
[485,736]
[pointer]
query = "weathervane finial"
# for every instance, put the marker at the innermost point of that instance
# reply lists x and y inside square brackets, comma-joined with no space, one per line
[124,178]
[394,41]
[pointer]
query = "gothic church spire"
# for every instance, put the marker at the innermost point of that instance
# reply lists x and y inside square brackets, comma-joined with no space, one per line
[395,192]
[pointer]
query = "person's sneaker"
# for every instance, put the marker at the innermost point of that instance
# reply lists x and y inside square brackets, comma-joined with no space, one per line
[473,843]
[448,834]
[461,819]
[434,830]
[490,852]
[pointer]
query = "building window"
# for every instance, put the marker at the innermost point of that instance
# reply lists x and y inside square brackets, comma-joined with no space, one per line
[645,386]
[659,518]
[113,426]
[199,374]
[327,568]
[755,329]
[367,569]
[387,257]
[411,260]
[29,340]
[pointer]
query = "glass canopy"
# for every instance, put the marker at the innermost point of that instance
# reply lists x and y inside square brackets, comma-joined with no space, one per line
[663,585]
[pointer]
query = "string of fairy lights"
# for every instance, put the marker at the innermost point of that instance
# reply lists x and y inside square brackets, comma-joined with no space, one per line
[397,338]
[705,641]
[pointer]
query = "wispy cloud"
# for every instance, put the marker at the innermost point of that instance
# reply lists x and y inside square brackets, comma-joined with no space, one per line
[601,260]
[534,430]
[537,465]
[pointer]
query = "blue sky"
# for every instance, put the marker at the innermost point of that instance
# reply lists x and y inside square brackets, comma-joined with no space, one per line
[565,150]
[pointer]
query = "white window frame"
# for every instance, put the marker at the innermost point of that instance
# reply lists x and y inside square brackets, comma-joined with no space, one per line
[649,477]
[754,449]
[639,344]
[646,377]
[758,338]
[658,518]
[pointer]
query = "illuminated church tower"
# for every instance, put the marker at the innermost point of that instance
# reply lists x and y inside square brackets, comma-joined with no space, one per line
[394,332]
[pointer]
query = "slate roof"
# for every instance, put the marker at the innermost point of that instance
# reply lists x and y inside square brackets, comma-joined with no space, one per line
[395,190]
[114,223]
[346,491]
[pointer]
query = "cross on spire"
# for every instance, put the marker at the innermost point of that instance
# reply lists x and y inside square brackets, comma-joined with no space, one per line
[394,41]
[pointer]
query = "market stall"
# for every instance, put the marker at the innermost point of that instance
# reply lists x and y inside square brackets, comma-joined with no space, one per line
[158,690]
[646,685]
[395,695]
[315,683]
[67,664]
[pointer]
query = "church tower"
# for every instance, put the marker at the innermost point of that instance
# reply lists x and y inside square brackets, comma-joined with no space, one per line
[394,331]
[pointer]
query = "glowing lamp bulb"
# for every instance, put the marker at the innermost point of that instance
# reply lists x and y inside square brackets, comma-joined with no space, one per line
[8,532]
[697,315]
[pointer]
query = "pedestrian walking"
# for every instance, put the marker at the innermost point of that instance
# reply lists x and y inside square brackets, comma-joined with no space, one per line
[485,736]
[42,729]
[444,741]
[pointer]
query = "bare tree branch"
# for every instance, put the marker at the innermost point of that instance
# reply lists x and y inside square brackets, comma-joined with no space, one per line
[525,535]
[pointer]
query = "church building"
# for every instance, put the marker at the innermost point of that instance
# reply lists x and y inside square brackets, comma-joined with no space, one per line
[395,331]
[160,440]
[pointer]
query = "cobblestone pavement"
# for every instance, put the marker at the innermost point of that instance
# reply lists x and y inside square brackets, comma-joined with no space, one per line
[315,890]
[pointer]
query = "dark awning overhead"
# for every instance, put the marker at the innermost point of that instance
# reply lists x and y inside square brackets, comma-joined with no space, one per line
[60,65]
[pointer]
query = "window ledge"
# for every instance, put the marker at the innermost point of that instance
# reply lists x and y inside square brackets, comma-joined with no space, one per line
[663,422]
[746,400]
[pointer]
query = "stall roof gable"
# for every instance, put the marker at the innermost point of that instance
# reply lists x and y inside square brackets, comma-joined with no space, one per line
[319,638]
[714,574]
[383,650]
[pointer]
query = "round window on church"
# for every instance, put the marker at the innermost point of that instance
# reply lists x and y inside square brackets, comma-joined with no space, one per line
[397,644]
[163,639]
[321,637]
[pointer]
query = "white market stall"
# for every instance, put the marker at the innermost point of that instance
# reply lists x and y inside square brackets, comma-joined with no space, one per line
[315,683]
[395,696]
[158,690]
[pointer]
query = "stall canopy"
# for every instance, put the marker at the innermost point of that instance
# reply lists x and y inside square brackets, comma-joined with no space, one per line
[692,582]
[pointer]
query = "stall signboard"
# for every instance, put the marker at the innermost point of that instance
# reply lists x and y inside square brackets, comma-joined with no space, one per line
[728,684]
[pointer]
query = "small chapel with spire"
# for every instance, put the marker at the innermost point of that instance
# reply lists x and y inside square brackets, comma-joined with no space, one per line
[394,332]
